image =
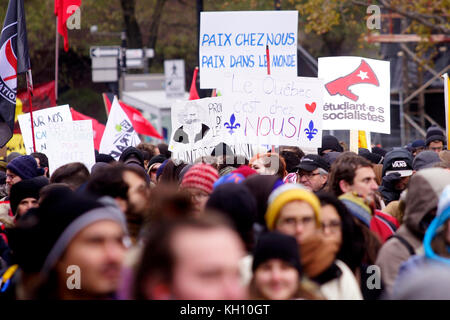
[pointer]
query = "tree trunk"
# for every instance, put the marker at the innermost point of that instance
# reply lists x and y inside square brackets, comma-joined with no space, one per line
[134,37]
[156,18]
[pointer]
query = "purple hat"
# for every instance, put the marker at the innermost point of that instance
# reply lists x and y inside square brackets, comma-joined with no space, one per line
[25,167]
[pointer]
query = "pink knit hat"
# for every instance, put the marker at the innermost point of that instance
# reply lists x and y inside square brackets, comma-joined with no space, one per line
[200,176]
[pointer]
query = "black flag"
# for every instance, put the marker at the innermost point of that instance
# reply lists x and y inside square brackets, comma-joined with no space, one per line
[14,59]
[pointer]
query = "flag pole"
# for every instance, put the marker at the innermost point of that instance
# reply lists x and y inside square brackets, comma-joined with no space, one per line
[30,98]
[56,59]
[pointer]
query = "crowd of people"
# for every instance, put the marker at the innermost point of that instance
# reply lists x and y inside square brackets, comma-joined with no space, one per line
[282,225]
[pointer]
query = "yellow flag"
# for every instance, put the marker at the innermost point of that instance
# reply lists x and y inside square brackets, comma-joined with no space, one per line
[447,106]
[362,139]
[16,145]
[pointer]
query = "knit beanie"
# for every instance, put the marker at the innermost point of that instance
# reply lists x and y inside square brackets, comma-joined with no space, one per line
[26,189]
[12,156]
[200,176]
[275,245]
[330,143]
[25,167]
[238,204]
[425,159]
[59,218]
[261,186]
[285,194]
[229,178]
[434,133]
[246,171]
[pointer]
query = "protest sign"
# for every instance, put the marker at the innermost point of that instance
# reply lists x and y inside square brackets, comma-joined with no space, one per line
[41,119]
[119,134]
[252,111]
[356,94]
[274,111]
[69,142]
[234,42]
[197,128]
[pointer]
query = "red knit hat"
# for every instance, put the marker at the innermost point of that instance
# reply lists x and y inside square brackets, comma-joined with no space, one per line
[246,171]
[200,176]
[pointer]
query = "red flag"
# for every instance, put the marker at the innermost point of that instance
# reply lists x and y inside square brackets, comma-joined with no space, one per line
[96,126]
[63,10]
[140,124]
[193,94]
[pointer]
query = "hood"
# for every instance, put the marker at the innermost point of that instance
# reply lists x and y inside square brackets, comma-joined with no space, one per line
[424,190]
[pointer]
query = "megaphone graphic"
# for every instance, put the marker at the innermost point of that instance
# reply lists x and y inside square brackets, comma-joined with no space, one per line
[363,74]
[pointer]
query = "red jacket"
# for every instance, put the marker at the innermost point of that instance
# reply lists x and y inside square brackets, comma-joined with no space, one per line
[383,224]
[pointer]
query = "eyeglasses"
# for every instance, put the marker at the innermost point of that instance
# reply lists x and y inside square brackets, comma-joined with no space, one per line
[333,225]
[308,175]
[293,222]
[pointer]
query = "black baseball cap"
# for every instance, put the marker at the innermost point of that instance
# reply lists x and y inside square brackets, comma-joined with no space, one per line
[311,162]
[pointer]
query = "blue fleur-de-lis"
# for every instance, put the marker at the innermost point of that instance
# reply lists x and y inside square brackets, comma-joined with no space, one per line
[311,132]
[231,125]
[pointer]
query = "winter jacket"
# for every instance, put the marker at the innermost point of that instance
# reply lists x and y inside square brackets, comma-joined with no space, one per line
[338,283]
[422,199]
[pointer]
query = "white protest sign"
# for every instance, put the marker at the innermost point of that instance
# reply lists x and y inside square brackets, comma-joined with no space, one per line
[41,119]
[69,142]
[197,128]
[119,133]
[356,94]
[234,42]
[274,111]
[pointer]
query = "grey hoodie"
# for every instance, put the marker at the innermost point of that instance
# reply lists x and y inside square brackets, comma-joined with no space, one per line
[425,188]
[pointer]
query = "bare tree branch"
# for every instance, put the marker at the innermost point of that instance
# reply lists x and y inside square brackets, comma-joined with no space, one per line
[421,18]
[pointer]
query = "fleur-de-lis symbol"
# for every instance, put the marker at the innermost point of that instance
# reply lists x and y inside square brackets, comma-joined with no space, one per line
[231,125]
[311,132]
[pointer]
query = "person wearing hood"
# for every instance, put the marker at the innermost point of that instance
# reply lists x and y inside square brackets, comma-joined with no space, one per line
[397,170]
[435,248]
[329,144]
[421,205]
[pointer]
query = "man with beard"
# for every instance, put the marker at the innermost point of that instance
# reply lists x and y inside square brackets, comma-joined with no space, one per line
[128,185]
[192,129]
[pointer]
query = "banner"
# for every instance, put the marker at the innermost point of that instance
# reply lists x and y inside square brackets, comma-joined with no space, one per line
[119,134]
[234,42]
[70,142]
[41,120]
[273,111]
[356,94]
[14,60]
